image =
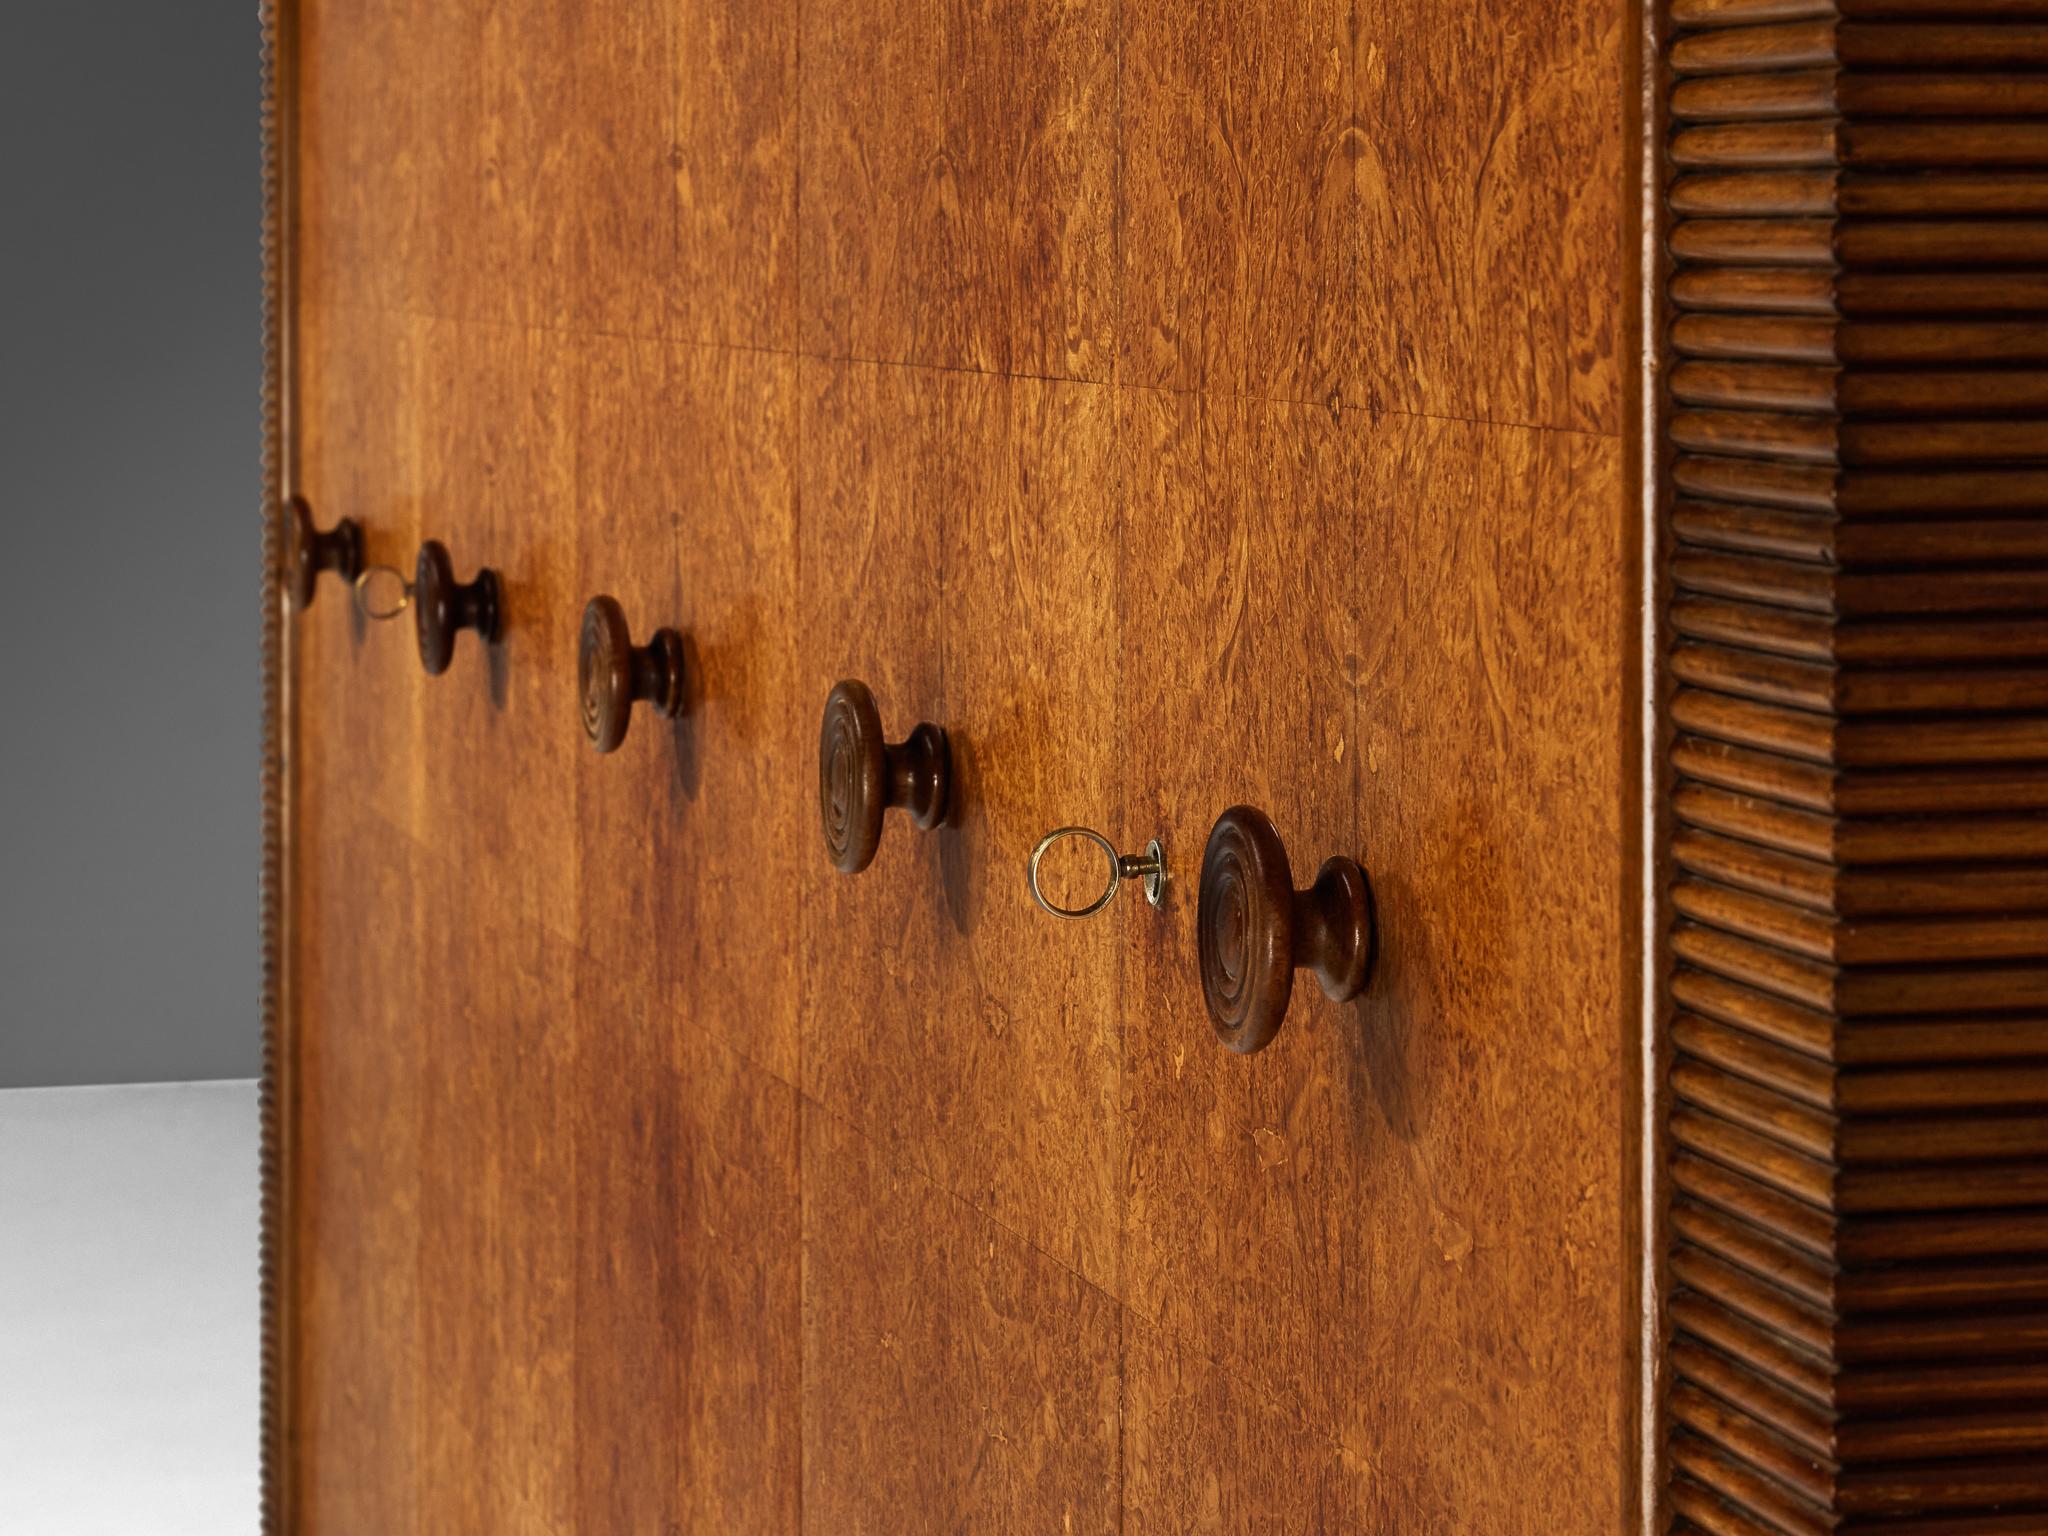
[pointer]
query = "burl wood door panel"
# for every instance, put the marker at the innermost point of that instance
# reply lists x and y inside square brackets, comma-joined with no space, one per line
[1180,405]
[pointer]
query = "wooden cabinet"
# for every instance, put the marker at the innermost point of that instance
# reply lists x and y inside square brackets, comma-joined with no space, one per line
[1182,405]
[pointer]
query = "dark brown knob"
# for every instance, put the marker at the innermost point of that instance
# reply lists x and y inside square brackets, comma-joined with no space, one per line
[860,776]
[1254,928]
[613,674]
[443,608]
[309,551]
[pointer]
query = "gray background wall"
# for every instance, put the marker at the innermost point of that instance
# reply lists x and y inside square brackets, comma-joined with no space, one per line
[130,364]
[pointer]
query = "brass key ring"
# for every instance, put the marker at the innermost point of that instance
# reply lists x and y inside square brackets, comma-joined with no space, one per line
[1150,866]
[383,611]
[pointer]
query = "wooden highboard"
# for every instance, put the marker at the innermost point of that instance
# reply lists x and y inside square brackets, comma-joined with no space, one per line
[1182,404]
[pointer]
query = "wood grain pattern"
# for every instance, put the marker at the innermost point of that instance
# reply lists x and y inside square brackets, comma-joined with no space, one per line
[501,773]
[872,483]
[1032,651]
[1853,860]
[628,166]
[936,495]
[1423,705]
[1487,149]
[958,167]
[686,513]
[1205,1451]
[496,1192]
[353,1453]
[955,1379]
[1237,262]
[687,1364]
[1491,795]
[1182,407]
[360,450]
[574,118]
[1239,506]
[632,1306]
[383,174]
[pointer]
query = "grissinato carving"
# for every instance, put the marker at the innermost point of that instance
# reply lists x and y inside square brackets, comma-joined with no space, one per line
[275,1087]
[1854,480]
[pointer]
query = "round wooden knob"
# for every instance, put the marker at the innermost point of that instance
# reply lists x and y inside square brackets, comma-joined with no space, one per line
[442,607]
[860,776]
[613,674]
[1254,928]
[309,551]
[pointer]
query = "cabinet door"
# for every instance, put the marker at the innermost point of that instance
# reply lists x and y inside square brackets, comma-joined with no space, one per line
[1180,405]
[959,557]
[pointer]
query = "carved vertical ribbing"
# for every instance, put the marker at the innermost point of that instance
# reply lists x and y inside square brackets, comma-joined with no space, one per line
[1855,471]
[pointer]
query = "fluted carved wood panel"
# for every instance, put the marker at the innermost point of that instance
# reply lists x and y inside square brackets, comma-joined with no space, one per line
[1855,618]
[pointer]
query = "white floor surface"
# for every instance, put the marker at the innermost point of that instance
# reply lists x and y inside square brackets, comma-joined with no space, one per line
[128,1310]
